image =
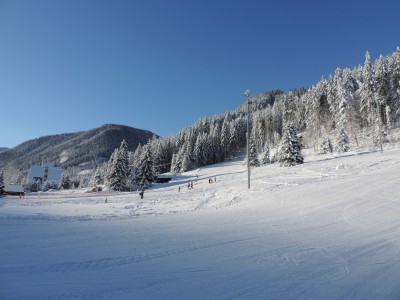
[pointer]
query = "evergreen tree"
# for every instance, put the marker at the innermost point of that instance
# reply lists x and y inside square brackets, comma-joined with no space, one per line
[176,164]
[312,113]
[145,173]
[233,140]
[65,183]
[266,156]
[110,163]
[185,161]
[259,129]
[378,134]
[216,153]
[118,172]
[136,155]
[225,138]
[156,151]
[289,153]
[253,155]
[395,85]
[50,185]
[96,179]
[367,93]
[201,151]
[134,159]
[1,179]
[344,97]
[342,142]
[382,89]
[174,168]
[1,182]
[326,146]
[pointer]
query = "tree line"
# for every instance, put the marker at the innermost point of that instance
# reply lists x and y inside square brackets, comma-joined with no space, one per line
[353,106]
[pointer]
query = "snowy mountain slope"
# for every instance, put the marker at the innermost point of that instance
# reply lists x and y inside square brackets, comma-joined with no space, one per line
[72,149]
[327,229]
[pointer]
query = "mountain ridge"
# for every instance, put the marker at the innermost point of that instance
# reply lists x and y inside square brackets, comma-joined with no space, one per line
[71,149]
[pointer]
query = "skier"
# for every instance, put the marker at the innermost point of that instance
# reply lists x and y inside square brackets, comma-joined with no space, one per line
[179,188]
[141,193]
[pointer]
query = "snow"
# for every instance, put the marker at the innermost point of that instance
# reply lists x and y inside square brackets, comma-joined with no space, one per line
[85,172]
[326,229]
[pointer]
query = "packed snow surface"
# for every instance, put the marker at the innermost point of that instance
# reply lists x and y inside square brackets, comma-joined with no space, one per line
[327,229]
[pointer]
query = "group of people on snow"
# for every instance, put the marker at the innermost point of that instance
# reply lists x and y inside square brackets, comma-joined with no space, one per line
[189,186]
[211,181]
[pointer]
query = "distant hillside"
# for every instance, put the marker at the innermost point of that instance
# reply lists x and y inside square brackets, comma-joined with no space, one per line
[3,149]
[71,149]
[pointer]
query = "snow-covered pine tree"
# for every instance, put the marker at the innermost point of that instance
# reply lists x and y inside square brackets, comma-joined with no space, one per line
[118,172]
[343,97]
[326,146]
[50,185]
[266,156]
[155,145]
[110,162]
[269,125]
[388,112]
[312,114]
[133,166]
[216,154]
[342,141]
[395,86]
[367,93]
[1,179]
[233,141]
[289,153]
[96,179]
[253,155]
[333,96]
[259,129]
[136,155]
[186,162]
[65,183]
[201,151]
[176,165]
[145,173]
[378,134]
[225,138]
[382,88]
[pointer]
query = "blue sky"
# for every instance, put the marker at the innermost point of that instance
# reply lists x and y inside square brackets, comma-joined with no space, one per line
[74,65]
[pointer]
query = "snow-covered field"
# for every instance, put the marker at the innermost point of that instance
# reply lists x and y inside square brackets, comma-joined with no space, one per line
[328,229]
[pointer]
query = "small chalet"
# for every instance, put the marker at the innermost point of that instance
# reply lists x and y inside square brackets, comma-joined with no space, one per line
[13,190]
[163,178]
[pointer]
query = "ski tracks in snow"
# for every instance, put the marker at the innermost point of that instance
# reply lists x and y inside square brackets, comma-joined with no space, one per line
[110,262]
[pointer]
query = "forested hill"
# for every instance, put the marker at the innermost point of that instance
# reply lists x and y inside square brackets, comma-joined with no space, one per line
[3,149]
[71,149]
[356,107]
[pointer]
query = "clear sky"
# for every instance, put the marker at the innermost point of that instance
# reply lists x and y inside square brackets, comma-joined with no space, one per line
[74,65]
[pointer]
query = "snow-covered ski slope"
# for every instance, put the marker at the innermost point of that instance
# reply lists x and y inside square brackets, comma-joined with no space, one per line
[327,229]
